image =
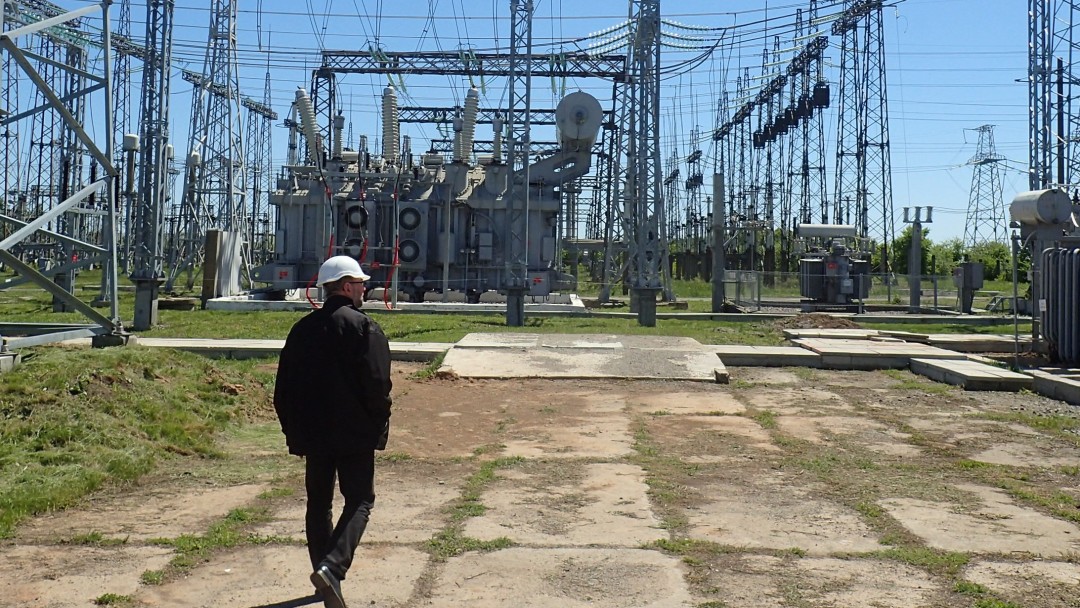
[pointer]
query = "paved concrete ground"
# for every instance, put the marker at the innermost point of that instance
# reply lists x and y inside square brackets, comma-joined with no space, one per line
[792,488]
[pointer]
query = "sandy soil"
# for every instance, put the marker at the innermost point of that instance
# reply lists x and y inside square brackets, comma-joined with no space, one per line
[785,488]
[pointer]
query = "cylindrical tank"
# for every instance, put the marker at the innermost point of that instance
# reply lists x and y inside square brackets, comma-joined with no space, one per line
[578,118]
[826,231]
[339,128]
[389,124]
[1041,207]
[497,124]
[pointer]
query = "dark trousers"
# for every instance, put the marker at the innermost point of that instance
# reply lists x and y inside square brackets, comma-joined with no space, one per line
[329,545]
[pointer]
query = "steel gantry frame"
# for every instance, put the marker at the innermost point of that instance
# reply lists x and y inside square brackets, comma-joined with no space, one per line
[215,190]
[80,84]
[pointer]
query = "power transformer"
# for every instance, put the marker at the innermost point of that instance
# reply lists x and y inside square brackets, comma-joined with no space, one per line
[438,223]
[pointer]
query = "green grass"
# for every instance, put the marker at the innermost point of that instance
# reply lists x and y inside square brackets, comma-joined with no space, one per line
[72,420]
[450,543]
[938,562]
[113,599]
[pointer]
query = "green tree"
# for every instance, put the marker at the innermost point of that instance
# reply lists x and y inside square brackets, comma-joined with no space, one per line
[995,258]
[947,255]
[901,248]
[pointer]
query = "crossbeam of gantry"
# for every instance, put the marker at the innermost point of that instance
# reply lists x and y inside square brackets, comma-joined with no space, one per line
[484,116]
[570,65]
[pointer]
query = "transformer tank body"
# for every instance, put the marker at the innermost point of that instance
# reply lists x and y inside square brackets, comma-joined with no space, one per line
[438,223]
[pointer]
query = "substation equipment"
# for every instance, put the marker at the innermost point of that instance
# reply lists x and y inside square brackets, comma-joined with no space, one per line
[424,223]
[1047,223]
[832,274]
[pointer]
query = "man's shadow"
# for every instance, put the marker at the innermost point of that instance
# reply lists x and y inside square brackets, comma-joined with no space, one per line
[294,603]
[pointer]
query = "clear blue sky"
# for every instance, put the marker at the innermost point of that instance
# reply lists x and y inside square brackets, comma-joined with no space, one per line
[953,65]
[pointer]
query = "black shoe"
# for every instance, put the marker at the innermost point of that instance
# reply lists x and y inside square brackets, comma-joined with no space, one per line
[329,587]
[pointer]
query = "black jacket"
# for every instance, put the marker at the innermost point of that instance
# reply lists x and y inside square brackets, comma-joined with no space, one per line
[332,393]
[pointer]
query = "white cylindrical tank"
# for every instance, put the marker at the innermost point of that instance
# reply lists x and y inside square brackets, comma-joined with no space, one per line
[307,122]
[827,231]
[578,118]
[1041,207]
[390,124]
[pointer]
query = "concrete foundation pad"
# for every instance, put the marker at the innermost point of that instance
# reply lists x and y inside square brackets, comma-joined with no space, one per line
[1017,581]
[76,576]
[834,334]
[709,403]
[582,356]
[997,526]
[1025,455]
[571,578]
[607,507]
[167,516]
[971,375]
[765,356]
[259,576]
[764,514]
[765,581]
[1057,383]
[870,355]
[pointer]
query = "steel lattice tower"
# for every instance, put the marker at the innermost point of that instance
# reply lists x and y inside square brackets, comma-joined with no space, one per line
[46,136]
[122,118]
[518,148]
[260,118]
[876,173]
[798,155]
[147,263]
[986,212]
[848,200]
[647,239]
[815,133]
[1040,87]
[216,183]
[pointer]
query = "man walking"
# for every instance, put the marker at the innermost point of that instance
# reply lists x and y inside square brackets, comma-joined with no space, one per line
[332,397]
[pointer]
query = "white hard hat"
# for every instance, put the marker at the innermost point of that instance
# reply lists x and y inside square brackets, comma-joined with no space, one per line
[339,267]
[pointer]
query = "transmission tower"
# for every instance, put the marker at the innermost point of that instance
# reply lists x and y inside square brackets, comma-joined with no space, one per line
[260,117]
[518,126]
[147,264]
[643,200]
[986,213]
[1040,91]
[122,120]
[876,174]
[215,177]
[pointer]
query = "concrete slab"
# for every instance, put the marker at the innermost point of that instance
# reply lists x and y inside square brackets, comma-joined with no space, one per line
[766,514]
[869,355]
[765,356]
[1057,383]
[278,576]
[608,506]
[572,578]
[1018,581]
[998,525]
[76,576]
[837,334]
[164,516]
[966,343]
[582,356]
[971,375]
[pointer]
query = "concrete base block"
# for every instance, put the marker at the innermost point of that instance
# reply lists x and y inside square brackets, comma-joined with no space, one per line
[9,361]
[971,375]
[119,339]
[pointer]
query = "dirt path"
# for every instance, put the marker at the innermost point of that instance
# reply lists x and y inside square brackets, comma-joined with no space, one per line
[788,487]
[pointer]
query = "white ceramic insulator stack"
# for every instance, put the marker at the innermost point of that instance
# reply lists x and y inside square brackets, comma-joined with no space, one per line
[307,121]
[389,124]
[458,152]
[496,147]
[339,130]
[468,131]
